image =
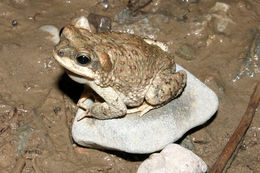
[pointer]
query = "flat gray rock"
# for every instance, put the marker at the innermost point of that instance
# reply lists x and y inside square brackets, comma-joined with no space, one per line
[153,131]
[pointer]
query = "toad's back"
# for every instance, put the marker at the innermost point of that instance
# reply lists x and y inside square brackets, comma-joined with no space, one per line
[135,63]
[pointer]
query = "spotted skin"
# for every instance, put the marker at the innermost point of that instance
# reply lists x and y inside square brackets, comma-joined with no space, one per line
[124,70]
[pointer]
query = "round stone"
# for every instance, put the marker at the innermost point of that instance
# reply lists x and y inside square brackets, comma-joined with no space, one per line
[156,129]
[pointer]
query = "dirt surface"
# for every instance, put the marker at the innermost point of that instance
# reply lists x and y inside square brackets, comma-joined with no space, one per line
[37,99]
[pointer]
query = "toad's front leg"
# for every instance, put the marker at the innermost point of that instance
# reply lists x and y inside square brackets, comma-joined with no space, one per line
[113,106]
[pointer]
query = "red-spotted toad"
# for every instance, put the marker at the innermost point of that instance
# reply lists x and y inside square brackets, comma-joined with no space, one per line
[128,72]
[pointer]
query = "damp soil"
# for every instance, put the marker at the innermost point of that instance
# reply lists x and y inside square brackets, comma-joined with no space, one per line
[38,100]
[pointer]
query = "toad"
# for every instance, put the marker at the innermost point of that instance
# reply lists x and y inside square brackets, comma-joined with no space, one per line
[130,73]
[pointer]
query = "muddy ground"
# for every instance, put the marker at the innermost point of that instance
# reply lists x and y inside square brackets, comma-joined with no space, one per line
[37,99]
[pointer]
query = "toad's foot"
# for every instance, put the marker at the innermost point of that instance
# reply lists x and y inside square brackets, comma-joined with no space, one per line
[84,96]
[144,108]
[83,115]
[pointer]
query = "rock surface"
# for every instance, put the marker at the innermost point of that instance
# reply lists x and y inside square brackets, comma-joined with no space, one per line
[154,130]
[173,158]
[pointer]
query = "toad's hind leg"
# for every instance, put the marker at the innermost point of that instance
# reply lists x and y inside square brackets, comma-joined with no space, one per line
[143,108]
[167,85]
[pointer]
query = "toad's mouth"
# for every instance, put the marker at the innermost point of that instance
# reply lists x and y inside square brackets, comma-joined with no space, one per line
[71,66]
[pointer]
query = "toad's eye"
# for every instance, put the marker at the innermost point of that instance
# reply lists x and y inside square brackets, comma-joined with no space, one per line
[83,59]
[60,52]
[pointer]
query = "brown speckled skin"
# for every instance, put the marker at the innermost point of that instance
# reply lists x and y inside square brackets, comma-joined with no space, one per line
[134,69]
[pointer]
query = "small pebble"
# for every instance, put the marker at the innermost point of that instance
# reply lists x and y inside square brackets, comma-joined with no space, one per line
[14,22]
[173,158]
[101,23]
[105,3]
[81,22]
[219,13]
[186,52]
[53,31]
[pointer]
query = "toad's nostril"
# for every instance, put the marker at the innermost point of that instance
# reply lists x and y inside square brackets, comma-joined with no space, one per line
[60,52]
